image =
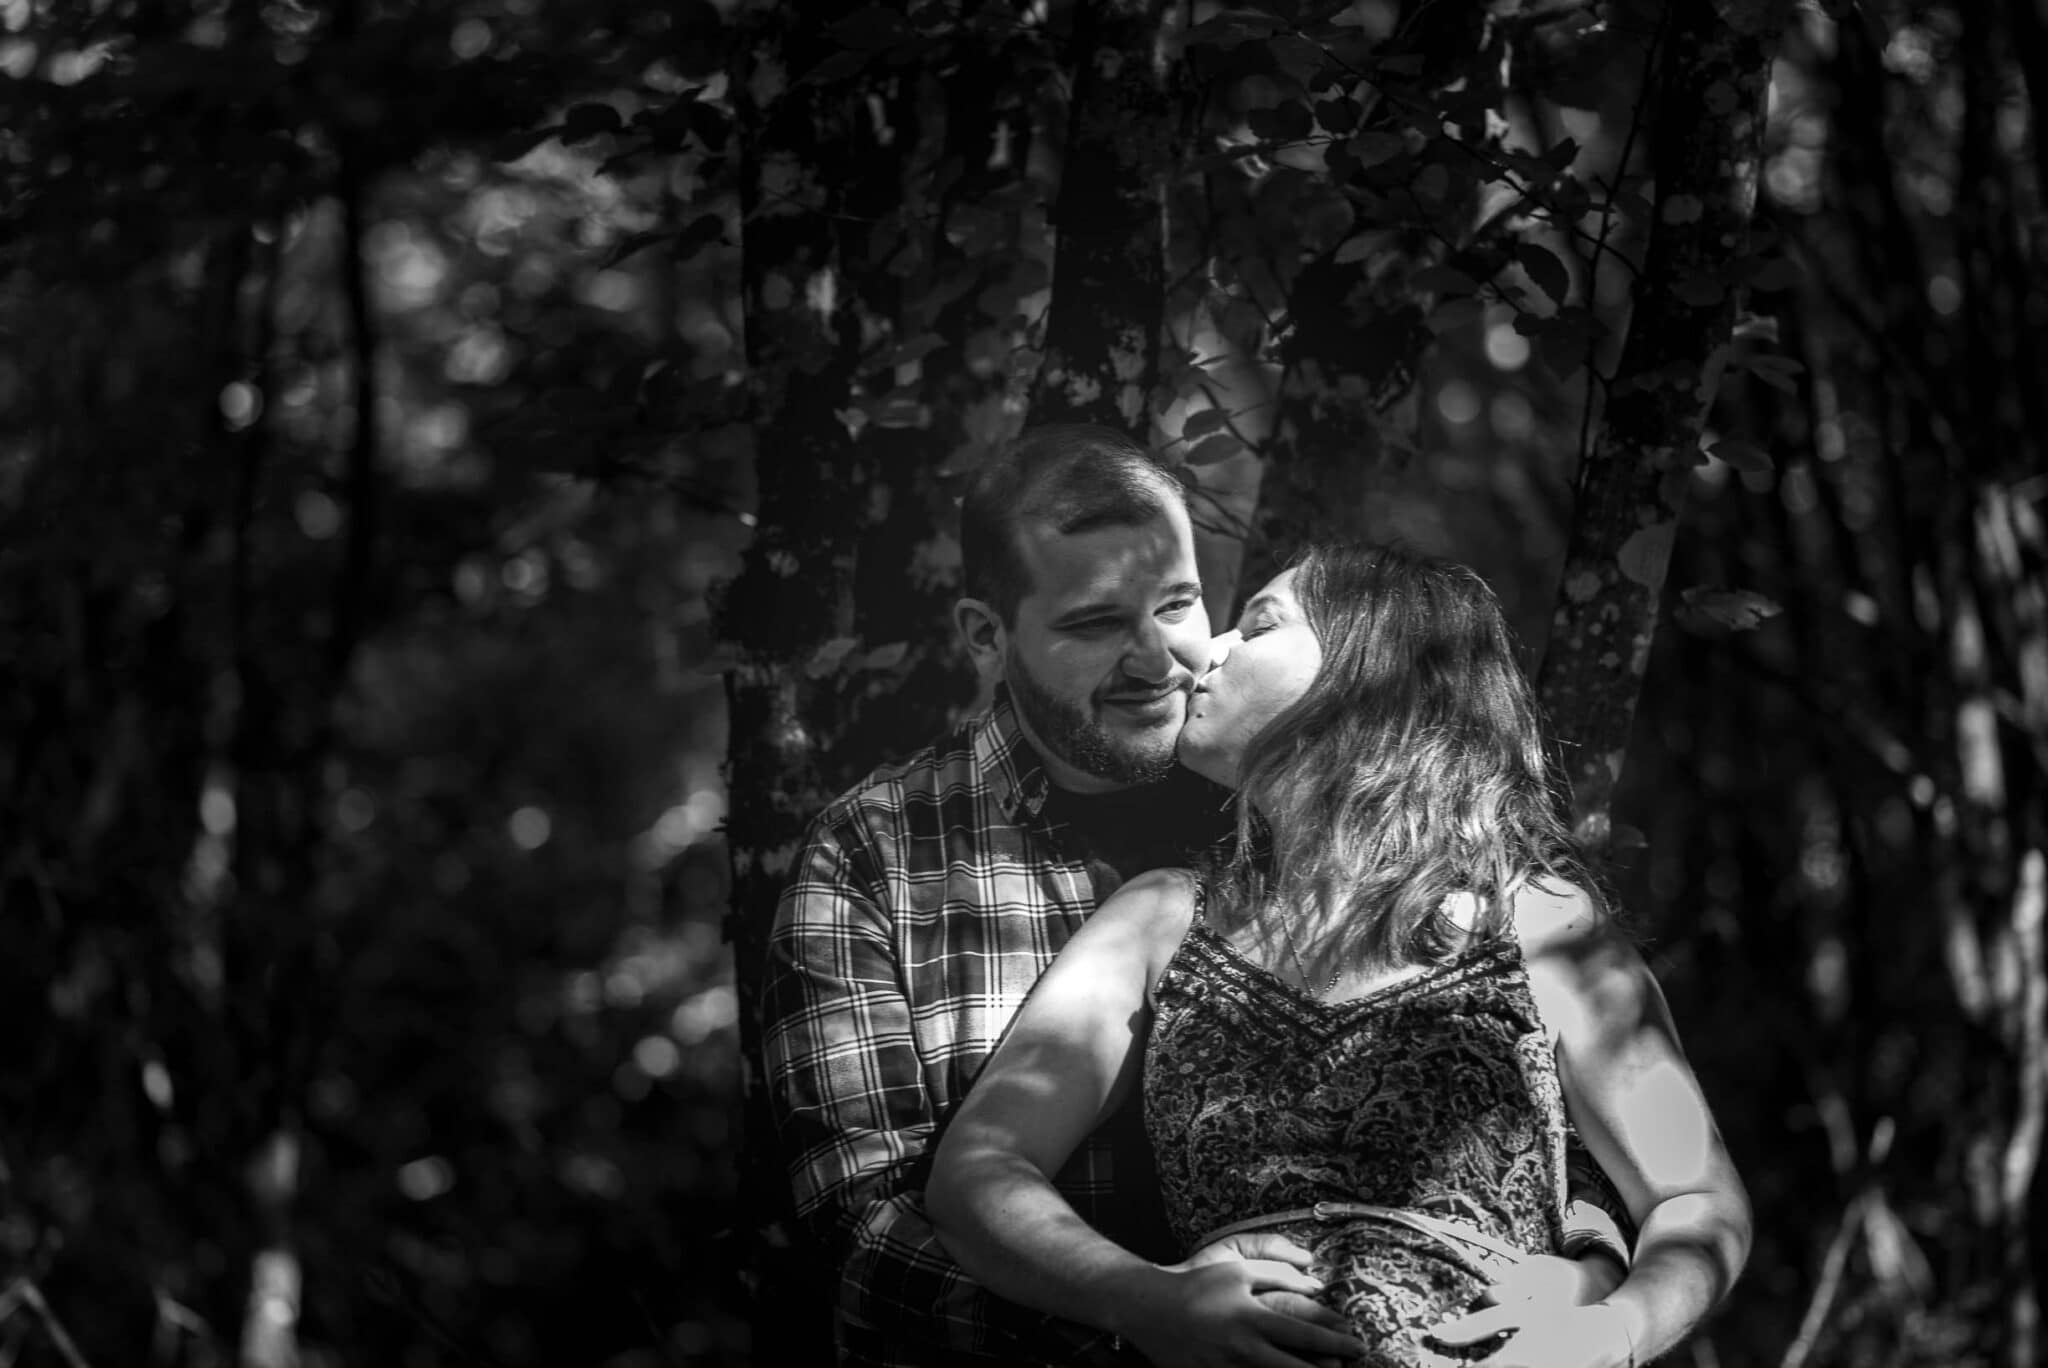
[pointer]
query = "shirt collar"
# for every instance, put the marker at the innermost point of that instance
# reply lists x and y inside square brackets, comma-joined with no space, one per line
[1017,780]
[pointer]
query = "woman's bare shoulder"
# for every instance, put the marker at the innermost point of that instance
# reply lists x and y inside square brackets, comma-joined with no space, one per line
[1555,915]
[1156,898]
[1147,918]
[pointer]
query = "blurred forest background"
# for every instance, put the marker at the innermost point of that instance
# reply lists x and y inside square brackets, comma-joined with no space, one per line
[474,475]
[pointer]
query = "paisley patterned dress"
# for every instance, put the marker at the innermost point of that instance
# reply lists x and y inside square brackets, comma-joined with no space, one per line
[1437,1095]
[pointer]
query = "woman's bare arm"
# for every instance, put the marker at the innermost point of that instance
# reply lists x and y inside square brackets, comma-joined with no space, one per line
[1640,1110]
[1070,1059]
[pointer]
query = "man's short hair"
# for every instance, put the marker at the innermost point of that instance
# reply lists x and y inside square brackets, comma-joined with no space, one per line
[1077,477]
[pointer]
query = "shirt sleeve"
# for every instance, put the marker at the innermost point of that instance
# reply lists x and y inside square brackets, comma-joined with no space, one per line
[855,1118]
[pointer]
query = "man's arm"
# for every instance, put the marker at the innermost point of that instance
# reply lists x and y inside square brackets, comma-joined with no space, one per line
[855,1117]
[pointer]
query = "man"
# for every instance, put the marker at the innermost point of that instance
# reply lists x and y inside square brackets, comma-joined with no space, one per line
[929,898]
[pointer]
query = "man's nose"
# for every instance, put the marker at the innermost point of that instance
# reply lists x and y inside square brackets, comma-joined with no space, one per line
[1150,657]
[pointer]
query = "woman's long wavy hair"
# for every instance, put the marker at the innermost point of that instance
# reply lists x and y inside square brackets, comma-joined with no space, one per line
[1416,766]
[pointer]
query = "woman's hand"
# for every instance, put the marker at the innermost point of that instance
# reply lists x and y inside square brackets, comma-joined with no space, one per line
[1543,1334]
[1555,1281]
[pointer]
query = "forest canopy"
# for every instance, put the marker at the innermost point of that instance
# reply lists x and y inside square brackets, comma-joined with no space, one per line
[476,475]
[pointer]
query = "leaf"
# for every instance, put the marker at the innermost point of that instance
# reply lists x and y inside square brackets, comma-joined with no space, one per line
[915,348]
[974,230]
[1745,456]
[627,246]
[513,146]
[1647,553]
[587,121]
[704,230]
[871,29]
[837,67]
[1443,280]
[1339,115]
[884,657]
[1773,369]
[1210,450]
[1000,300]
[1354,249]
[1377,146]
[1434,182]
[1716,611]
[1454,313]
[1288,121]
[829,656]
[1546,269]
[1297,56]
[1200,425]
[1231,28]
[901,410]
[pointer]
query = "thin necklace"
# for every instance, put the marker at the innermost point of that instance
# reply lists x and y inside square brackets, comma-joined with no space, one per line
[1302,970]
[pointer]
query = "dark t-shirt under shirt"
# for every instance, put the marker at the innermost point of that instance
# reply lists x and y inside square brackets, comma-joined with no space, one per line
[1174,822]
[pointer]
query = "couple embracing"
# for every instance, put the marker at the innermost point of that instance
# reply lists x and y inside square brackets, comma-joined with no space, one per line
[1232,999]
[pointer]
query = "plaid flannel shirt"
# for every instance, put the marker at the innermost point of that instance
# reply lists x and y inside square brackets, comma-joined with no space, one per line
[925,904]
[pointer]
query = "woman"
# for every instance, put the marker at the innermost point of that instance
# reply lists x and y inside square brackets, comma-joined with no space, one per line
[1364,1033]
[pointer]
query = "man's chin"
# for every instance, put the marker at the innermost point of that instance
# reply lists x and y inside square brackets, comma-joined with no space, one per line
[1142,759]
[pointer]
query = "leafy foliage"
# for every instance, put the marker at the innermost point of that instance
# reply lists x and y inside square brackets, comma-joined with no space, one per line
[425,430]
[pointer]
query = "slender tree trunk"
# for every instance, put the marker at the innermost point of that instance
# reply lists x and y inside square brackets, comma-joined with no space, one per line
[1712,79]
[816,160]
[1109,271]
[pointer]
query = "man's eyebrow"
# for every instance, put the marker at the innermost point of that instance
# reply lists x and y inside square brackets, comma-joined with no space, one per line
[1094,608]
[1110,607]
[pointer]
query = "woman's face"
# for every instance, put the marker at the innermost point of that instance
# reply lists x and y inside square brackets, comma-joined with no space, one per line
[1256,671]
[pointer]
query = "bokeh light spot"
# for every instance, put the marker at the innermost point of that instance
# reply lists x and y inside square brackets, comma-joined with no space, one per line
[425,1179]
[240,404]
[1457,402]
[1507,349]
[657,1056]
[319,517]
[530,828]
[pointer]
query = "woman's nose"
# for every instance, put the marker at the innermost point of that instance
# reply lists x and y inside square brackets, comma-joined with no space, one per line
[1221,647]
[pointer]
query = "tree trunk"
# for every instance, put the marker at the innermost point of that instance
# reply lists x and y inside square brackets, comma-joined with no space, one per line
[1109,268]
[1712,79]
[817,158]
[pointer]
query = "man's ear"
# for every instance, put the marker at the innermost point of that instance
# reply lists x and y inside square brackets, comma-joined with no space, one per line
[982,633]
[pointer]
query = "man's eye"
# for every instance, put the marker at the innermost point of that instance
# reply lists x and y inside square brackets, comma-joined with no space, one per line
[1178,609]
[1092,626]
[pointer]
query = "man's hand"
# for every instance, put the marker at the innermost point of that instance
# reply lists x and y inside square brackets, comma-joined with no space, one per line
[1251,1244]
[1267,1245]
[1540,1336]
[1243,1302]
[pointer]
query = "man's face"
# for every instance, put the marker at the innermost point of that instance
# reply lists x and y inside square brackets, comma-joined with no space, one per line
[1104,648]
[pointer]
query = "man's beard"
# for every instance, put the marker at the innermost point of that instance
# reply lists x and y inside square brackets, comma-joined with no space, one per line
[1072,735]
